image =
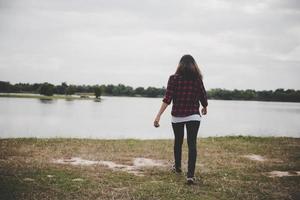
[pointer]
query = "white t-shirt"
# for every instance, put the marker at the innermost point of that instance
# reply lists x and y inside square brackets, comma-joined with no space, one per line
[193,117]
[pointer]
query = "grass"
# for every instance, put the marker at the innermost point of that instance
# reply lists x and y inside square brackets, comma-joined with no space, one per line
[223,172]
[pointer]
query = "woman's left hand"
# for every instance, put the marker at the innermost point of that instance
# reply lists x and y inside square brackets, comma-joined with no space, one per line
[204,110]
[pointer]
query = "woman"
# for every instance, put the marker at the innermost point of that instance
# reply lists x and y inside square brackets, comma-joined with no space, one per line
[185,89]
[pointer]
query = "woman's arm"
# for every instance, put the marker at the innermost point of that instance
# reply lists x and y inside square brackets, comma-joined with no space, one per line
[203,95]
[160,112]
[166,100]
[203,98]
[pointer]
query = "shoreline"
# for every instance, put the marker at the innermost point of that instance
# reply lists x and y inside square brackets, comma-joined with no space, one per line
[92,97]
[43,97]
[244,137]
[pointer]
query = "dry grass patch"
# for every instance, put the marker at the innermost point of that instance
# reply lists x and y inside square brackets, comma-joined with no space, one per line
[27,170]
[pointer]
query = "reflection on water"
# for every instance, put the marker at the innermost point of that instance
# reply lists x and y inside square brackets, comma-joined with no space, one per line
[132,117]
[68,99]
[43,100]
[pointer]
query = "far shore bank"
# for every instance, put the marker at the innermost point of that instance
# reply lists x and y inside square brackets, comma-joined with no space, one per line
[90,96]
[55,96]
[77,96]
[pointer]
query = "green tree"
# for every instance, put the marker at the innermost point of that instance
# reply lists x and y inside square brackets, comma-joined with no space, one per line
[4,86]
[98,91]
[61,89]
[46,89]
[70,90]
[109,89]
[152,92]
[139,91]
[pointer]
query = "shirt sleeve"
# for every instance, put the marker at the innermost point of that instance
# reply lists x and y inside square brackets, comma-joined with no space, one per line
[169,91]
[203,95]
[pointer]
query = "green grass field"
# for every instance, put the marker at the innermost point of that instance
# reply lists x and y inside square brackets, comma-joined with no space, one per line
[27,170]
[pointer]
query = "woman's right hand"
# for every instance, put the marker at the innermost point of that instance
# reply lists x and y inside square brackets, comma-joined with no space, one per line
[204,110]
[156,121]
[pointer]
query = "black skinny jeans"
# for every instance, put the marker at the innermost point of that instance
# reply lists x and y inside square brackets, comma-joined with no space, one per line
[192,131]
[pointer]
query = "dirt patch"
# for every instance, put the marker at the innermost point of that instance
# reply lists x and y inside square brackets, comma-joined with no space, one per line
[146,162]
[28,179]
[77,179]
[75,161]
[255,157]
[138,164]
[282,173]
[260,158]
[120,167]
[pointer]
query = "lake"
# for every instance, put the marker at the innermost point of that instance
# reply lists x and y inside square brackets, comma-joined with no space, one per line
[132,117]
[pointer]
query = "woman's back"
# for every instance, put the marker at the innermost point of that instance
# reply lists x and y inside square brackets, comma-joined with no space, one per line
[186,94]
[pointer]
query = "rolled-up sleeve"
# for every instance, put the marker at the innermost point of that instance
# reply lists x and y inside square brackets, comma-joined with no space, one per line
[169,91]
[203,95]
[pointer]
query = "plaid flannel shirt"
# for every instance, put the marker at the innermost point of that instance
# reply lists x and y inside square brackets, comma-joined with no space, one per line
[185,95]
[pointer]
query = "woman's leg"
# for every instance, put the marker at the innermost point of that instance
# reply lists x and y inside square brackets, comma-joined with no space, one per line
[192,131]
[178,129]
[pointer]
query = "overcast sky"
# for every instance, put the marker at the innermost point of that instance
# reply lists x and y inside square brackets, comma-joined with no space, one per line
[237,44]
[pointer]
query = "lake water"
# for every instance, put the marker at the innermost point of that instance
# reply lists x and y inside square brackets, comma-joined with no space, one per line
[132,117]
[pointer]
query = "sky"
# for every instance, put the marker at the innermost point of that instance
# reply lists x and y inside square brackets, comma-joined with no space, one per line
[237,44]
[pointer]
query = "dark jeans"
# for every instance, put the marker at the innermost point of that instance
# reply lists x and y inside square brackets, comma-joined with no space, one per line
[192,131]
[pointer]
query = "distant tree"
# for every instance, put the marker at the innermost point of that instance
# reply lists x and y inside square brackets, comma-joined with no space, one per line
[116,91]
[35,87]
[279,94]
[83,88]
[71,89]
[46,89]
[265,95]
[61,89]
[5,86]
[109,89]
[120,89]
[152,92]
[98,91]
[128,91]
[23,87]
[139,91]
[249,94]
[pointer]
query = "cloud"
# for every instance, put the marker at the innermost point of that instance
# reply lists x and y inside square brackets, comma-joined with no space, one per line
[140,42]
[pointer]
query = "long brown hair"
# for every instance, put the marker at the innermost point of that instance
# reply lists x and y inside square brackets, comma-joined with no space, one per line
[188,68]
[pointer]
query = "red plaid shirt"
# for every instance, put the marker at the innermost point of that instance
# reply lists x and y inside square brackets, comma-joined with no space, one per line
[186,95]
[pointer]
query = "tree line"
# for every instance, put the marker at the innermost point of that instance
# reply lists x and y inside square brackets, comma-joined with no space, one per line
[49,89]
[289,95]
